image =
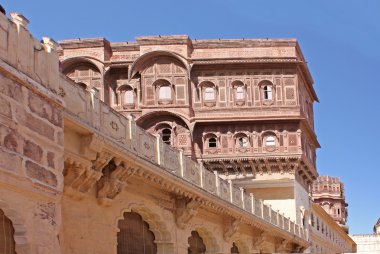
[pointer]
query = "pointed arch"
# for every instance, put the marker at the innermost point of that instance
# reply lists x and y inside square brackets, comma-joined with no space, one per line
[163,237]
[139,62]
[209,240]
[21,237]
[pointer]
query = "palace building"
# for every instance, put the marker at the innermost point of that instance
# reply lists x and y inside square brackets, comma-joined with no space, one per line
[162,145]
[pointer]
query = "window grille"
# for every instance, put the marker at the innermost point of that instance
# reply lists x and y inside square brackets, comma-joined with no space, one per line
[7,243]
[134,236]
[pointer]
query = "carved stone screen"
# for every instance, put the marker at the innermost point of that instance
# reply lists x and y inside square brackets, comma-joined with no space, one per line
[196,245]
[7,243]
[134,236]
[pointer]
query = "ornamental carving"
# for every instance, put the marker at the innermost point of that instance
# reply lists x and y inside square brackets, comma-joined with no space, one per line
[113,181]
[185,210]
[231,228]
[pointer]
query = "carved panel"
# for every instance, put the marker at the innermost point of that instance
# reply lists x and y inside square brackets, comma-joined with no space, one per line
[180,92]
[144,144]
[247,202]
[292,139]
[170,159]
[266,212]
[224,189]
[290,93]
[115,125]
[209,181]
[286,223]
[192,171]
[274,217]
[236,197]
[258,208]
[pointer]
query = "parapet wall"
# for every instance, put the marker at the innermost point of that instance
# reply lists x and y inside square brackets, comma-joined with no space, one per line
[31,138]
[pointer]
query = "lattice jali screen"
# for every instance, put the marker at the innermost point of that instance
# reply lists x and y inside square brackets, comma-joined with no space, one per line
[7,243]
[134,236]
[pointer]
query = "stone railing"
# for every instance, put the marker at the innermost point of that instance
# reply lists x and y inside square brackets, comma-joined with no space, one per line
[89,110]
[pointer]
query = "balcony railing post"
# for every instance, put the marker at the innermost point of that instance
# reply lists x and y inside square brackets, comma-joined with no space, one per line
[253,201]
[158,150]
[231,189]
[242,196]
[181,163]
[130,120]
[201,171]
[217,183]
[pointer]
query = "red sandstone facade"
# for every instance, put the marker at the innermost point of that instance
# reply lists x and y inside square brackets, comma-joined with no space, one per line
[243,107]
[328,192]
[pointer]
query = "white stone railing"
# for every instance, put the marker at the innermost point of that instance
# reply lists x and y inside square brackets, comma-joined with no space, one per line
[90,110]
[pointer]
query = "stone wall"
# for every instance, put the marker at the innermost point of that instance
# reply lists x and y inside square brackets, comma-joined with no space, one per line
[31,138]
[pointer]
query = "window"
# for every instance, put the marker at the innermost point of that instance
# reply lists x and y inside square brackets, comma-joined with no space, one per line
[268,93]
[128,97]
[134,235]
[270,141]
[196,244]
[239,93]
[165,93]
[7,243]
[234,249]
[242,142]
[211,142]
[166,136]
[209,94]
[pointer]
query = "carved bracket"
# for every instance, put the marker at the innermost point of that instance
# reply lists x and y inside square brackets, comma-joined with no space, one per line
[185,210]
[261,242]
[113,182]
[80,178]
[231,229]
[284,247]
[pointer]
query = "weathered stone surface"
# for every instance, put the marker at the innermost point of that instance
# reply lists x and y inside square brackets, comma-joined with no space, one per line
[50,159]
[32,151]
[45,110]
[41,174]
[10,88]
[9,161]
[5,108]
[35,124]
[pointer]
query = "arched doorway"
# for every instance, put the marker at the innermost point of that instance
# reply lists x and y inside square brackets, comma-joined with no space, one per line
[234,249]
[134,236]
[7,242]
[196,244]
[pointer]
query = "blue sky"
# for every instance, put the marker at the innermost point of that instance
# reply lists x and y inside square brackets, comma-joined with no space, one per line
[340,40]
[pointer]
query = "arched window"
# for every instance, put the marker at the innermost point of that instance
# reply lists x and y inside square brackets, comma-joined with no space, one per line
[209,94]
[242,142]
[129,97]
[270,141]
[234,249]
[196,245]
[268,92]
[165,92]
[134,236]
[212,143]
[7,243]
[239,93]
[166,136]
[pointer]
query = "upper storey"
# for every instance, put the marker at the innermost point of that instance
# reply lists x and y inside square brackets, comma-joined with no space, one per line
[255,79]
[328,192]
